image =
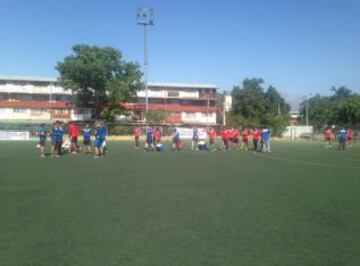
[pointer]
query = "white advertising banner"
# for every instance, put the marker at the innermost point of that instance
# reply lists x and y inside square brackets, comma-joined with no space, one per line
[14,135]
[187,132]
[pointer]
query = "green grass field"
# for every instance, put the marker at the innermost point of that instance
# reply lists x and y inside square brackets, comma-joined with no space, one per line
[299,205]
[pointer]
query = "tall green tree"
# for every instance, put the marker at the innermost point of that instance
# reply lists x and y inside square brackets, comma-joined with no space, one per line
[341,108]
[249,100]
[253,106]
[100,79]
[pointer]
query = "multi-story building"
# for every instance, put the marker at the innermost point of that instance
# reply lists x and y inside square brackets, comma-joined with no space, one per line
[44,99]
[37,99]
[182,103]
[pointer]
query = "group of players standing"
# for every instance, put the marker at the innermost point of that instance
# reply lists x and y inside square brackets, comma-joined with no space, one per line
[232,138]
[56,134]
[344,136]
[260,138]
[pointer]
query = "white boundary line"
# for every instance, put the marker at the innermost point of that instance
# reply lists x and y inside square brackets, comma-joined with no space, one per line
[270,156]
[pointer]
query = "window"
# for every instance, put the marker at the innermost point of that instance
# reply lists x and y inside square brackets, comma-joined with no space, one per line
[40,97]
[25,97]
[61,111]
[172,101]
[19,110]
[190,116]
[157,101]
[4,96]
[173,94]
[19,83]
[40,83]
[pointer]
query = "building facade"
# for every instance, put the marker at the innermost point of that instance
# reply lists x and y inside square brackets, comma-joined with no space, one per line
[37,99]
[183,103]
[44,99]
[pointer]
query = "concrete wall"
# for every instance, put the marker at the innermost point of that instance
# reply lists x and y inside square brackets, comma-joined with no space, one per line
[294,132]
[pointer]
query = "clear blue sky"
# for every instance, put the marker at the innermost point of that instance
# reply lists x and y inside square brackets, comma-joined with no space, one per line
[299,47]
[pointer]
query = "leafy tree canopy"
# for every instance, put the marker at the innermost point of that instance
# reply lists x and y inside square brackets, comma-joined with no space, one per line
[341,108]
[100,78]
[254,106]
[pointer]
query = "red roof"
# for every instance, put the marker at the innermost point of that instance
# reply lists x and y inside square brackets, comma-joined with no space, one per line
[35,104]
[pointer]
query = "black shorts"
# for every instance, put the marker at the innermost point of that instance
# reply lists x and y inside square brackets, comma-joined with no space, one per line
[87,142]
[212,141]
[42,141]
[236,140]
[327,139]
[74,140]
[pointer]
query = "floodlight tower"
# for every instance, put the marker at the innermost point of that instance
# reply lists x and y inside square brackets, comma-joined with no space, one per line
[145,17]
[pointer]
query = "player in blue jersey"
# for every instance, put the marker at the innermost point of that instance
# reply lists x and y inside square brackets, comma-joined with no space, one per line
[342,138]
[265,138]
[86,133]
[176,140]
[55,139]
[42,139]
[61,127]
[195,139]
[149,138]
[100,135]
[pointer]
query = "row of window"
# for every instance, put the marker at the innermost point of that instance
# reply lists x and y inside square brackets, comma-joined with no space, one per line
[178,102]
[190,116]
[34,97]
[44,110]
[33,83]
[156,88]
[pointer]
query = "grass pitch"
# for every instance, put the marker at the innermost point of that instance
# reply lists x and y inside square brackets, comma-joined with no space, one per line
[299,205]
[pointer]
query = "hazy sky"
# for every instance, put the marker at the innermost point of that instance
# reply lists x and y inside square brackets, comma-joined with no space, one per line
[300,47]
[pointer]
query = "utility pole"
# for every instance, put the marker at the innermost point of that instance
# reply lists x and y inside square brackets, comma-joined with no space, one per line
[50,99]
[207,113]
[145,17]
[306,110]
[224,110]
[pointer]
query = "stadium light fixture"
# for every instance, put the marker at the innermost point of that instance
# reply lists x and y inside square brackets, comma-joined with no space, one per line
[145,17]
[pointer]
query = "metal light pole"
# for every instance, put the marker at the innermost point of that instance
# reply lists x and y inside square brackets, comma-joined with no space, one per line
[50,99]
[307,108]
[145,17]
[224,111]
[207,113]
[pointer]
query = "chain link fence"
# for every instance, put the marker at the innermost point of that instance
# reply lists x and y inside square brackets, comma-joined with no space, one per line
[126,129]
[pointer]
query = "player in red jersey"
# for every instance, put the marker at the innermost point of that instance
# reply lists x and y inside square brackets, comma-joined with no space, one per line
[225,138]
[73,135]
[255,133]
[245,139]
[349,136]
[229,133]
[137,134]
[235,133]
[212,137]
[328,136]
[157,136]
